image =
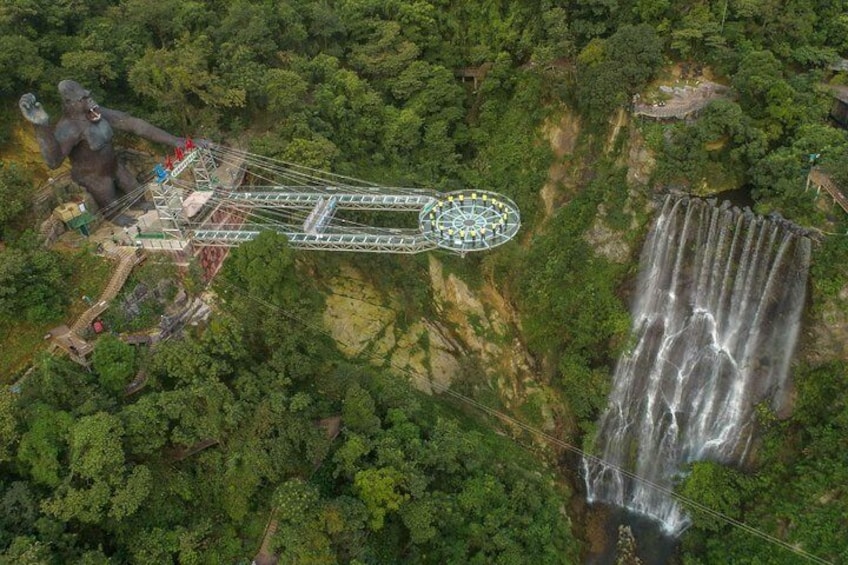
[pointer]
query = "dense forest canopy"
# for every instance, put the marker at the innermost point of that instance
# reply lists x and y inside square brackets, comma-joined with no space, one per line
[373,89]
[370,88]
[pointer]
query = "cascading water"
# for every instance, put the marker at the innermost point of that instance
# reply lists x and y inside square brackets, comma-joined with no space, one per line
[715,323]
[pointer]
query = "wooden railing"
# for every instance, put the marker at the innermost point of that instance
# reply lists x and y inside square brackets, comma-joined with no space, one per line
[821,180]
[128,257]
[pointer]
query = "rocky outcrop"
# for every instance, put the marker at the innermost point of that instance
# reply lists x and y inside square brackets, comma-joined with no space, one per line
[357,314]
[469,324]
[681,101]
[367,324]
[606,241]
[826,334]
[563,176]
[640,161]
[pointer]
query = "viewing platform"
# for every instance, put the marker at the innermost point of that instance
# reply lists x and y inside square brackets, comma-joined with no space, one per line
[822,180]
[213,197]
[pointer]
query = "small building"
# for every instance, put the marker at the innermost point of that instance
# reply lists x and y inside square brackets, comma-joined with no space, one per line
[76,216]
[474,74]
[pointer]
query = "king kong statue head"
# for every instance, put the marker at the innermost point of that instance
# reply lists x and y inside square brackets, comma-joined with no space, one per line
[84,135]
[77,101]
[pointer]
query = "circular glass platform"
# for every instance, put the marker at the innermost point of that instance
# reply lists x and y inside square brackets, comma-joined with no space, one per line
[470,220]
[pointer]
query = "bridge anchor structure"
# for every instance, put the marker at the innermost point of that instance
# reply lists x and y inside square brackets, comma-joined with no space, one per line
[212,198]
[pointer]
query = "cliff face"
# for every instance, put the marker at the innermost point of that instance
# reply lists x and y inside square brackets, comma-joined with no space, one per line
[472,335]
[472,330]
[826,335]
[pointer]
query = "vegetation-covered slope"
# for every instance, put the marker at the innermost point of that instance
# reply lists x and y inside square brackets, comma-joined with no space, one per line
[370,89]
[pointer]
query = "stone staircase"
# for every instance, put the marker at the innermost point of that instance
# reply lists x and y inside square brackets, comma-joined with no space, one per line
[128,257]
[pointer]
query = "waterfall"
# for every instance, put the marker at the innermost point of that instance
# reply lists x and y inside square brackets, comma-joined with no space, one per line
[715,321]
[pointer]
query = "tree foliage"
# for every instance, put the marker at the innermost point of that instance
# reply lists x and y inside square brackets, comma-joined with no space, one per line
[15,187]
[370,89]
[114,362]
[611,71]
[32,282]
[225,429]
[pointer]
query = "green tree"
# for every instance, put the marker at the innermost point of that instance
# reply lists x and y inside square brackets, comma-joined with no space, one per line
[382,491]
[300,534]
[610,72]
[637,50]
[27,550]
[31,283]
[98,482]
[43,445]
[777,105]
[317,152]
[176,77]
[23,65]
[197,412]
[90,67]
[19,506]
[9,433]
[779,177]
[146,431]
[698,33]
[714,486]
[114,362]
[383,52]
[716,151]
[358,411]
[207,360]
[15,189]
[265,269]
[261,277]
[286,91]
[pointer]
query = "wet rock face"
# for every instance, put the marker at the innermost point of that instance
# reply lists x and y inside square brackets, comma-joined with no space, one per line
[357,315]
[640,161]
[563,176]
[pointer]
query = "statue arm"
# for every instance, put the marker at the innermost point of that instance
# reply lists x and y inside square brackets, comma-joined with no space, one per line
[125,122]
[52,150]
[56,144]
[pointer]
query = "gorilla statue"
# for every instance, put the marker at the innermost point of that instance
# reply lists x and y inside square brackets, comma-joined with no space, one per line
[84,134]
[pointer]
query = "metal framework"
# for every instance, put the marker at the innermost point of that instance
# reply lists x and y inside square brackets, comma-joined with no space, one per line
[470,221]
[376,240]
[169,205]
[460,222]
[309,196]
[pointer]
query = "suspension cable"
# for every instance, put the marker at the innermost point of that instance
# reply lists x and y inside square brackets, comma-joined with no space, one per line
[422,379]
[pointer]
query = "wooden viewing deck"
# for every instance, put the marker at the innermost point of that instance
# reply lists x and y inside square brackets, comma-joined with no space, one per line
[821,180]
